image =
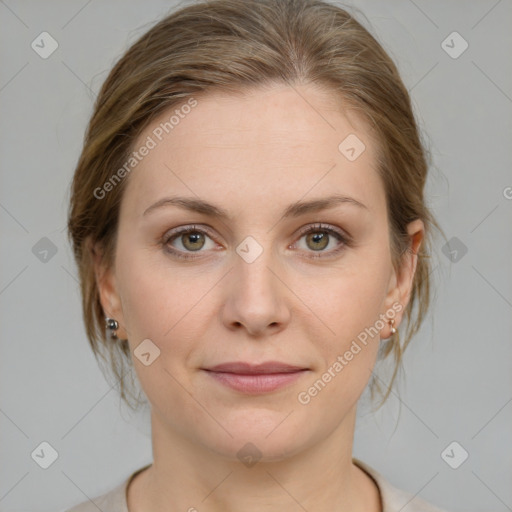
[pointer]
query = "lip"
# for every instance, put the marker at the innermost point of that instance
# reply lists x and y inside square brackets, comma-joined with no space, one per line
[255,379]
[243,368]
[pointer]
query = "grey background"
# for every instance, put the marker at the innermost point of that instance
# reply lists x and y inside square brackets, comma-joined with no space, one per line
[458,384]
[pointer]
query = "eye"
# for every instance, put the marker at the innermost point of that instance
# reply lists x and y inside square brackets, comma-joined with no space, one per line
[320,236]
[189,239]
[183,242]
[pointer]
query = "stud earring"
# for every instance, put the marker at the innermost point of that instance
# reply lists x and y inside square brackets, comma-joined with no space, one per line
[393,329]
[112,325]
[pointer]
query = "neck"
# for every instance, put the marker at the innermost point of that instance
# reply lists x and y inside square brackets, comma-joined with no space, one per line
[188,476]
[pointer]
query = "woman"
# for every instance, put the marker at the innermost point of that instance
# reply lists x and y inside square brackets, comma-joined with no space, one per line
[248,220]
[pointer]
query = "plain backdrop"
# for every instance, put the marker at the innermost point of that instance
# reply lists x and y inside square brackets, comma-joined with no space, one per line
[457,385]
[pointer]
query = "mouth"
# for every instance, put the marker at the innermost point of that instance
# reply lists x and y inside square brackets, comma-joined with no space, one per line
[255,379]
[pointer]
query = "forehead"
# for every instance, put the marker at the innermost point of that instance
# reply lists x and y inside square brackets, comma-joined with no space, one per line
[256,147]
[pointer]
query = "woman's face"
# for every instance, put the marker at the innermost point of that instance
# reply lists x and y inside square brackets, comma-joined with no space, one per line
[229,273]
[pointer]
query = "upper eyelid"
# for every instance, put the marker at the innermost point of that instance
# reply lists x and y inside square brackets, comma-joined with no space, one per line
[176,232]
[321,226]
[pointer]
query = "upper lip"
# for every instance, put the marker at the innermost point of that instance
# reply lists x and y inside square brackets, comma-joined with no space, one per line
[244,368]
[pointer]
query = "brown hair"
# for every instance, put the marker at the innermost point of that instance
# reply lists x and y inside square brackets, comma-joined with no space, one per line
[226,45]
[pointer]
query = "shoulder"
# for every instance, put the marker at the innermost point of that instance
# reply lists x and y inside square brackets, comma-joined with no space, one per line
[113,501]
[394,499]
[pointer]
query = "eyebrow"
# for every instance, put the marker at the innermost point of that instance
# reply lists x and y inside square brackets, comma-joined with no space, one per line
[294,210]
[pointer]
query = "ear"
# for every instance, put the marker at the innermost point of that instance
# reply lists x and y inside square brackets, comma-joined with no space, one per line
[108,291]
[402,279]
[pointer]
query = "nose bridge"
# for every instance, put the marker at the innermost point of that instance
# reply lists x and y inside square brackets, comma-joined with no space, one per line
[255,259]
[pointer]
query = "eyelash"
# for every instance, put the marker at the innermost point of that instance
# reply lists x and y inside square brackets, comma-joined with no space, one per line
[345,240]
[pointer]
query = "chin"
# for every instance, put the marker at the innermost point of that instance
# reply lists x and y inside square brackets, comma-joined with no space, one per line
[262,435]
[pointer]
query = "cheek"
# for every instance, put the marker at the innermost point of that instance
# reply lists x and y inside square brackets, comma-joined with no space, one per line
[350,308]
[162,304]
[148,298]
[351,299]
[163,307]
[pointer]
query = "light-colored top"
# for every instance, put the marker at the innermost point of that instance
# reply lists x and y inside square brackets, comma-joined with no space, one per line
[392,499]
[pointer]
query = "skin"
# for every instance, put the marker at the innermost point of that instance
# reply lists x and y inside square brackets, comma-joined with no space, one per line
[253,155]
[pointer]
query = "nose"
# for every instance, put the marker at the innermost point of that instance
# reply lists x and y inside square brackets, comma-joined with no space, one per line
[257,298]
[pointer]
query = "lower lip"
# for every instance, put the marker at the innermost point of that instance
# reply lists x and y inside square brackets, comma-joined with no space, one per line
[254,384]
